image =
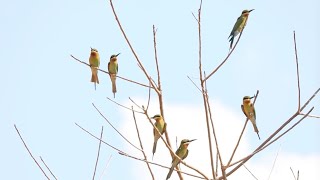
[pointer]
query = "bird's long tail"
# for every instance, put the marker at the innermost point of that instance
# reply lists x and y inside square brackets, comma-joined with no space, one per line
[94,77]
[231,41]
[170,172]
[154,147]
[113,81]
[256,129]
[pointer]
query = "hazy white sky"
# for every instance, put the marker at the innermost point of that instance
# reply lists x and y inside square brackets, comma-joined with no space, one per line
[44,91]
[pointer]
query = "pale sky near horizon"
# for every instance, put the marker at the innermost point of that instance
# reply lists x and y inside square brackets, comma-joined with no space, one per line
[45,92]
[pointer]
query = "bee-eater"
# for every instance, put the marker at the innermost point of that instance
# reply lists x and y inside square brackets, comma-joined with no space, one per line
[248,110]
[182,152]
[239,25]
[161,126]
[113,70]
[94,61]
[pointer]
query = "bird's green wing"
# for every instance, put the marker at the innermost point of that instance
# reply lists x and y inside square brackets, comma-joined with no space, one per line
[185,155]
[243,110]
[164,128]
[254,112]
[117,68]
[109,67]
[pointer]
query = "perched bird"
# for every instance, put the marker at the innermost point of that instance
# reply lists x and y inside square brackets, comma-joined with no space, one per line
[182,152]
[113,70]
[161,126]
[239,25]
[94,61]
[248,110]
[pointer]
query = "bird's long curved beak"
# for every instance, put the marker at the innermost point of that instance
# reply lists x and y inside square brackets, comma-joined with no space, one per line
[118,54]
[252,97]
[91,48]
[251,10]
[192,140]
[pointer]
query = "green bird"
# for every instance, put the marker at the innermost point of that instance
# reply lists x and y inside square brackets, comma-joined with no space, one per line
[94,61]
[113,71]
[161,126]
[239,25]
[182,152]
[248,110]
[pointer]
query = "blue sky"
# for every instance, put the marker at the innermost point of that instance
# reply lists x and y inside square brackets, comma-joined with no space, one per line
[44,91]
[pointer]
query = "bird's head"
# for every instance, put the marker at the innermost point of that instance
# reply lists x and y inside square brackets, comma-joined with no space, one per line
[157,117]
[186,142]
[94,51]
[246,12]
[114,57]
[247,99]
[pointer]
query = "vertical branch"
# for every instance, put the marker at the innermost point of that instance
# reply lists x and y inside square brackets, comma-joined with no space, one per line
[156,55]
[132,50]
[105,167]
[95,166]
[48,168]
[144,154]
[203,89]
[25,145]
[297,65]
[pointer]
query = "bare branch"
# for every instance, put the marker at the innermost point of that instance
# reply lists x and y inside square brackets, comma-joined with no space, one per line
[144,154]
[48,168]
[105,167]
[250,172]
[194,84]
[135,103]
[230,52]
[108,73]
[95,167]
[294,176]
[156,55]
[314,95]
[312,116]
[25,145]
[297,65]
[274,162]
[98,138]
[115,128]
[123,106]
[132,50]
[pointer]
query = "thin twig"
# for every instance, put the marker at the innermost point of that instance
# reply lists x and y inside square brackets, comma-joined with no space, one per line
[250,172]
[95,166]
[294,176]
[274,162]
[156,164]
[203,90]
[108,73]
[98,138]
[194,84]
[314,95]
[144,154]
[244,127]
[313,116]
[230,52]
[123,106]
[297,65]
[25,145]
[156,55]
[48,168]
[149,97]
[115,128]
[108,162]
[135,103]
